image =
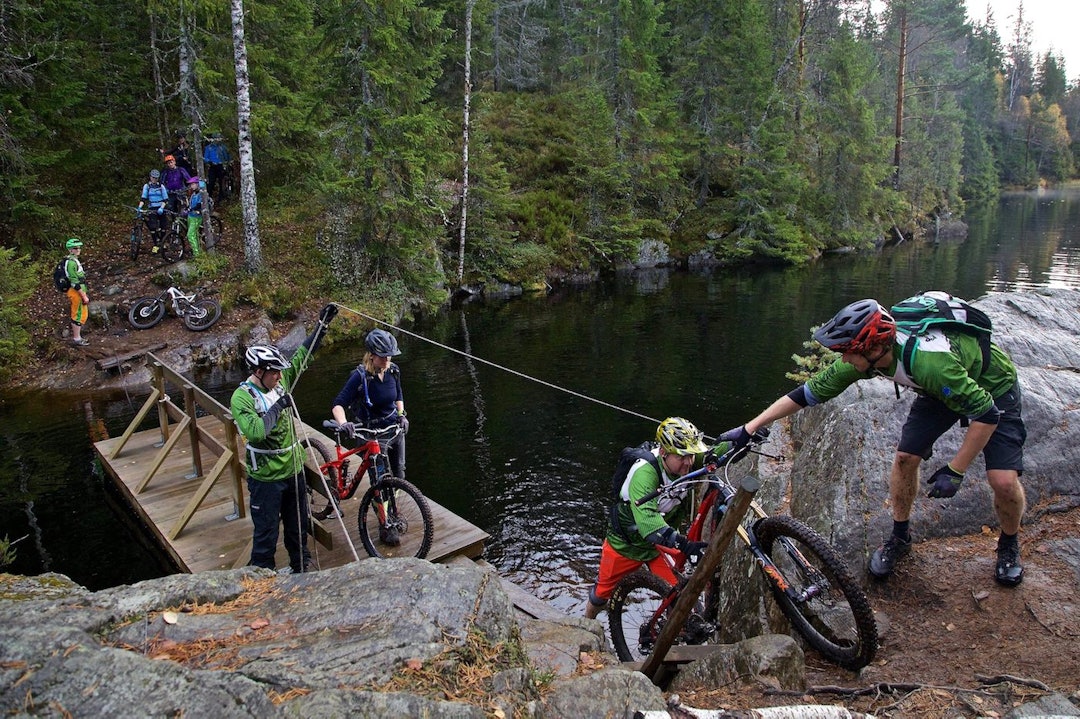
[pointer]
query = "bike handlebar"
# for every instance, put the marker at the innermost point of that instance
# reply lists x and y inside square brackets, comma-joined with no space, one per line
[384,433]
[730,457]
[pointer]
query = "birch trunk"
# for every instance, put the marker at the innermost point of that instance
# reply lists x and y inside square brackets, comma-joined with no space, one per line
[469,4]
[252,247]
[159,88]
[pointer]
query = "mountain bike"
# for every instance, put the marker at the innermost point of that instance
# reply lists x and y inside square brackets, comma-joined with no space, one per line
[196,314]
[171,248]
[391,510]
[805,574]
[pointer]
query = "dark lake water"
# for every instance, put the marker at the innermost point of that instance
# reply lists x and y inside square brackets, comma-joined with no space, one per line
[521,438]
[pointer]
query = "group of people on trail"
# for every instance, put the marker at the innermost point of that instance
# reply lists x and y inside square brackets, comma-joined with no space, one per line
[263,409]
[175,189]
[956,382]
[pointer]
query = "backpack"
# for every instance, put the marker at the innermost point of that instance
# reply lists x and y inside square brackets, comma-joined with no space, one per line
[919,314]
[627,458]
[60,277]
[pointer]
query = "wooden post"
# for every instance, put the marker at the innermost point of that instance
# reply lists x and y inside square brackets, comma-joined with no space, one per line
[706,566]
[193,431]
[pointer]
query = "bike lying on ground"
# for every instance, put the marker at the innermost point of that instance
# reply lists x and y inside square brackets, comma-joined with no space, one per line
[171,248]
[806,575]
[394,518]
[196,314]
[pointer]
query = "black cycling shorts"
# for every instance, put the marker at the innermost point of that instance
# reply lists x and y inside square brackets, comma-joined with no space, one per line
[930,418]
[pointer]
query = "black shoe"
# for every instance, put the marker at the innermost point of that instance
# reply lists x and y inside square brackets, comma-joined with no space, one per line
[389,536]
[1009,572]
[884,559]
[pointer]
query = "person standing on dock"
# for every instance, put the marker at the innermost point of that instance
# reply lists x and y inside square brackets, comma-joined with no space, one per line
[262,409]
[373,396]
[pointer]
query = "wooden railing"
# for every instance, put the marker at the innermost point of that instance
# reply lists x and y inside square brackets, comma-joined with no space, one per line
[228,462]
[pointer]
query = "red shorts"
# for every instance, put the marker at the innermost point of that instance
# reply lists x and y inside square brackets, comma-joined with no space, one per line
[614,566]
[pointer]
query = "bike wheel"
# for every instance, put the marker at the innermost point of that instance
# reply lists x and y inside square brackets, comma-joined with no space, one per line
[201,314]
[407,514]
[823,602]
[318,453]
[146,312]
[634,614]
[172,247]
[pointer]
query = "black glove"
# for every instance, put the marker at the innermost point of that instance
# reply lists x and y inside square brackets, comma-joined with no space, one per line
[348,429]
[692,550]
[328,313]
[945,482]
[273,414]
[738,437]
[711,457]
[284,402]
[404,422]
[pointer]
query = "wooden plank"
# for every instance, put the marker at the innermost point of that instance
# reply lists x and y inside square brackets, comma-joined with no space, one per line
[213,537]
[115,361]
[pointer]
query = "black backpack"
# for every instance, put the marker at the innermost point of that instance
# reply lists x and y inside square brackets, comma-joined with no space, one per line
[60,278]
[627,458]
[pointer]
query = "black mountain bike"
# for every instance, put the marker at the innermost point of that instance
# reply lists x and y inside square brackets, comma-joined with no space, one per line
[171,248]
[805,575]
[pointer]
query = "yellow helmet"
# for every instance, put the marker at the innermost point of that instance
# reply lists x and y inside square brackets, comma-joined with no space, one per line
[679,436]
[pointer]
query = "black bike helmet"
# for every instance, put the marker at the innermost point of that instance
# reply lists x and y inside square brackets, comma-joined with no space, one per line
[265,357]
[858,327]
[381,343]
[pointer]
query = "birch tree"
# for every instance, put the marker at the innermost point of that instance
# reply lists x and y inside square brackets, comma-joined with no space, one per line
[252,247]
[469,5]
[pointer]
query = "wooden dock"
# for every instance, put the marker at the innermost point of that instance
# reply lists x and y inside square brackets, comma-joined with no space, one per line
[199,517]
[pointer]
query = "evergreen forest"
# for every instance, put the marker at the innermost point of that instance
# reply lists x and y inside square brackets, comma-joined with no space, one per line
[428,145]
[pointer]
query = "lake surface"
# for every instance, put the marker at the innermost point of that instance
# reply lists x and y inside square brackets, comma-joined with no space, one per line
[519,407]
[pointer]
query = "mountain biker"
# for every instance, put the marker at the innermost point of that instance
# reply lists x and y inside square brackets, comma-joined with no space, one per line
[373,395]
[182,152]
[175,180]
[80,301]
[155,197]
[653,522]
[216,156]
[261,407]
[951,389]
[194,212]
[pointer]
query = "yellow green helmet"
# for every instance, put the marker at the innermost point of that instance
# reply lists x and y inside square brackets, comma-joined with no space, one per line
[679,436]
[73,242]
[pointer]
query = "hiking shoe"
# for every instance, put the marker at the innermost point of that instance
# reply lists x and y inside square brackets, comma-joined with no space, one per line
[884,560]
[389,536]
[80,342]
[1009,572]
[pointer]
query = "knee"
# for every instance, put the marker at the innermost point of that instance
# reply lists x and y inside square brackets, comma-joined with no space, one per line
[906,463]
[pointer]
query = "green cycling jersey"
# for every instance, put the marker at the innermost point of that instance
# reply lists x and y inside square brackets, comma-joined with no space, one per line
[946,365]
[278,455]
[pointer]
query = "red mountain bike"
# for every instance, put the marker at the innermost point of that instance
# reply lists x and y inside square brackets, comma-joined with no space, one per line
[807,577]
[394,517]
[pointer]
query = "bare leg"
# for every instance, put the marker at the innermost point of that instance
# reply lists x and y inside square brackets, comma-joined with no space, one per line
[904,484]
[1009,501]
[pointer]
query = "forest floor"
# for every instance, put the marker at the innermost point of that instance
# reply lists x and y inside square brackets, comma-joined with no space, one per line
[954,643]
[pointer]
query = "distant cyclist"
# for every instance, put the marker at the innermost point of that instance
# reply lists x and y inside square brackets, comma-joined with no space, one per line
[953,387]
[175,180]
[182,153]
[153,200]
[217,158]
[680,449]
[76,293]
[194,211]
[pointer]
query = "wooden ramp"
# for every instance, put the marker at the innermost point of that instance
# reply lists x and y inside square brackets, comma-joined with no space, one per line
[199,518]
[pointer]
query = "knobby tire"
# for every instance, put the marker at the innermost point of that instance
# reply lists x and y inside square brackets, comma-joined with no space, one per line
[323,455]
[413,520]
[201,314]
[172,247]
[632,605]
[136,241]
[146,312]
[838,622]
